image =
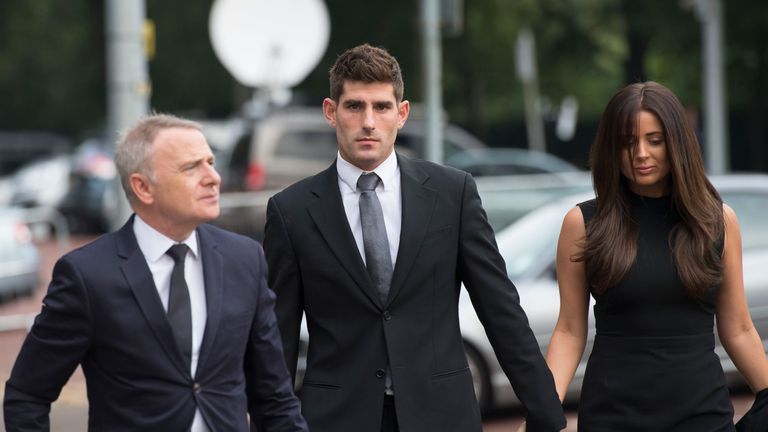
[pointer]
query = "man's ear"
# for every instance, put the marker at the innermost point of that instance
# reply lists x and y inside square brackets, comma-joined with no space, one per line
[403,109]
[329,111]
[142,188]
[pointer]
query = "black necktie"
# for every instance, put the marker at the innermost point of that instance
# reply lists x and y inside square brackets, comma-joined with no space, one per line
[375,244]
[179,309]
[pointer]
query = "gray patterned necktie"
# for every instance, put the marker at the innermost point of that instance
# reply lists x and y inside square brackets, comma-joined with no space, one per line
[375,244]
[179,309]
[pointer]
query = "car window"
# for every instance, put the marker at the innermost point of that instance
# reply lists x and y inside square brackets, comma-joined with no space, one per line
[308,144]
[751,209]
[238,163]
[505,206]
[450,148]
[491,169]
[531,241]
[21,148]
[413,145]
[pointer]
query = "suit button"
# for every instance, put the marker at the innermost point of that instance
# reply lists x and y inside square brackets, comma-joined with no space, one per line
[380,373]
[197,388]
[387,316]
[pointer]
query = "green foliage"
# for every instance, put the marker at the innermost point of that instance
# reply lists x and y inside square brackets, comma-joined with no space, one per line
[52,59]
[186,76]
[51,65]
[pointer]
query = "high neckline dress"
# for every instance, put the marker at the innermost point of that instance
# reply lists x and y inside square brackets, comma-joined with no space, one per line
[653,365]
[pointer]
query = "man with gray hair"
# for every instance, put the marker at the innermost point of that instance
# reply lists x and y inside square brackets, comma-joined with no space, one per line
[170,318]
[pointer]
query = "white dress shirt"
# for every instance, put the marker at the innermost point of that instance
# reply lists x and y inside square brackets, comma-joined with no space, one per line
[388,192]
[154,246]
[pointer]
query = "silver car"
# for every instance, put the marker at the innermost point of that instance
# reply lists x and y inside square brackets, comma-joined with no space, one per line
[529,247]
[19,258]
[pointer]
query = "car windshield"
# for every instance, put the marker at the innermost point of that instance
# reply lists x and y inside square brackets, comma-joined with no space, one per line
[751,209]
[508,198]
[527,245]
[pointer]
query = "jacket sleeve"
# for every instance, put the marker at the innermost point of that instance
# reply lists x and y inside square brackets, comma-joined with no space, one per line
[56,344]
[285,281]
[271,402]
[496,301]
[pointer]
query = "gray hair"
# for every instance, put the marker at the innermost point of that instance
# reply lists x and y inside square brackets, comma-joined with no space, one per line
[135,148]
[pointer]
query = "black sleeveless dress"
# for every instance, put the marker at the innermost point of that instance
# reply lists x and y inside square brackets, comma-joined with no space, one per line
[653,365]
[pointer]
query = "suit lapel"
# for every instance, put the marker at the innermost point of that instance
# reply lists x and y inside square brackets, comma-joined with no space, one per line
[418,203]
[327,211]
[139,278]
[213,276]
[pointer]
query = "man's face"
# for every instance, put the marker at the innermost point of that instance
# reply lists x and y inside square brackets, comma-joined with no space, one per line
[366,118]
[185,190]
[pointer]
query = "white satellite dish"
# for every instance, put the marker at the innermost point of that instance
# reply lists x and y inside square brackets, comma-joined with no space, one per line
[267,43]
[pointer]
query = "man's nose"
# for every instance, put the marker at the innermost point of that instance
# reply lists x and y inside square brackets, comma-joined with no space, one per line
[368,119]
[212,177]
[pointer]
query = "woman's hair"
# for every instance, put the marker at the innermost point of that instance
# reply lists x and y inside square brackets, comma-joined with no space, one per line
[610,246]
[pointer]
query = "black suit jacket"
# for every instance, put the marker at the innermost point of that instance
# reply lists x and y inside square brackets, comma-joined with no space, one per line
[102,311]
[445,239]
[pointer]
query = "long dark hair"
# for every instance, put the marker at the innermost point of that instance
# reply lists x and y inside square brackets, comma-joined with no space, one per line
[610,246]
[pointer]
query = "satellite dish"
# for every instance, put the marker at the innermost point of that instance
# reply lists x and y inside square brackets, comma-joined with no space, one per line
[267,43]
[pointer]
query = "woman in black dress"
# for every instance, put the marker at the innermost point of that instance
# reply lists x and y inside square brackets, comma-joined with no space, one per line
[661,255]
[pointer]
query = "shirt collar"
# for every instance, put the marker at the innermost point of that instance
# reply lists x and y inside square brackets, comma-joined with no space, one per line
[154,245]
[349,173]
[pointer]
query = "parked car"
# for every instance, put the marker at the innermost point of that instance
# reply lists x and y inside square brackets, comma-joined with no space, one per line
[42,182]
[256,158]
[18,148]
[529,247]
[31,167]
[508,198]
[508,161]
[90,203]
[19,258]
[505,200]
[287,145]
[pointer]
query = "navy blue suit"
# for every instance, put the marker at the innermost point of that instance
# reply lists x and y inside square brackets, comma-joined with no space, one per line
[102,311]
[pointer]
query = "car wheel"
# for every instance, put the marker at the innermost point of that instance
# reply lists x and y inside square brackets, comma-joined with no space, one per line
[480,379]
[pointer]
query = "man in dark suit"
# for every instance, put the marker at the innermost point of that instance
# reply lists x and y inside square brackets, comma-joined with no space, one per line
[171,320]
[376,262]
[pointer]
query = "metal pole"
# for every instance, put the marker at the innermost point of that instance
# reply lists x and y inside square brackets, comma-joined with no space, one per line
[528,74]
[433,98]
[715,132]
[128,87]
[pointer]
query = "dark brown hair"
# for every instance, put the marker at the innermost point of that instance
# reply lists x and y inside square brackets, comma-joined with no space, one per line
[611,235]
[367,64]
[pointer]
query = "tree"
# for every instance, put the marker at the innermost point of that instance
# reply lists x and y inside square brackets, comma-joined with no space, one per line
[51,65]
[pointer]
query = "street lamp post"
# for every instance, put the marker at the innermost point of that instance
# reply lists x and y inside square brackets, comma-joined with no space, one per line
[430,17]
[128,85]
[710,14]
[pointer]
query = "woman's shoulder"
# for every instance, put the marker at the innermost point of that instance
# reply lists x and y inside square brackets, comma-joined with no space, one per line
[588,208]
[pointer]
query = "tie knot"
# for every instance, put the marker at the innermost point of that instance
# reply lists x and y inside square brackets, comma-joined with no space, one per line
[178,252]
[368,182]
